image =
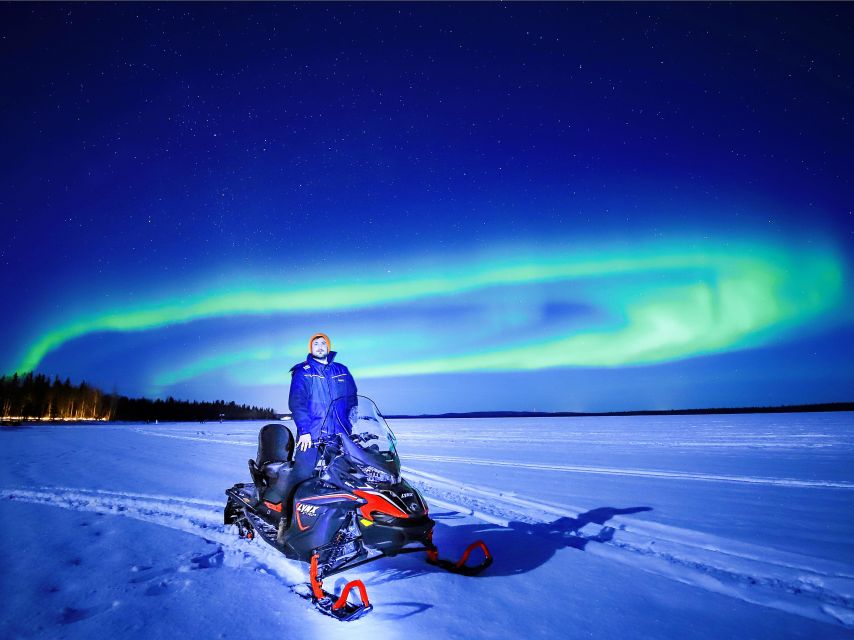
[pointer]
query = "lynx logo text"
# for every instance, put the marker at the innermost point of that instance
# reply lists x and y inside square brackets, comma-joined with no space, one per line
[307,509]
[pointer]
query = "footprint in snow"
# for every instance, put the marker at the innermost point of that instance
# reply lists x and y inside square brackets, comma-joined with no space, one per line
[209,560]
[70,615]
[146,575]
[140,567]
[162,587]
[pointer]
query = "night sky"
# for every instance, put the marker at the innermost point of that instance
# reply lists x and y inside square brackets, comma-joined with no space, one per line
[486,206]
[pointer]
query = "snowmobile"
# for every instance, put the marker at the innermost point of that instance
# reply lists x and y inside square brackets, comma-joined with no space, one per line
[355,509]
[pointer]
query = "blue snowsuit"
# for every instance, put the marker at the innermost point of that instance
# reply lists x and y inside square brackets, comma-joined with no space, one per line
[314,386]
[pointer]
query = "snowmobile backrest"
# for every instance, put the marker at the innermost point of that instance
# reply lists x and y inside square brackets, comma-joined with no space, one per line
[275,444]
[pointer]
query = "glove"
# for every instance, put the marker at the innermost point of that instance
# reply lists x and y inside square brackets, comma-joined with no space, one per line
[304,442]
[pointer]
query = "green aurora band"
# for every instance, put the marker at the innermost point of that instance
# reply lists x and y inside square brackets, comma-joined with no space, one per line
[706,298]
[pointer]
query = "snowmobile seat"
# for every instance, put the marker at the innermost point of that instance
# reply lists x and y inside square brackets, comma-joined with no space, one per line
[271,472]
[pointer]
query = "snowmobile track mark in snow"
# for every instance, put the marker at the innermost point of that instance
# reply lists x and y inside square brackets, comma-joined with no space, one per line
[810,587]
[640,473]
[194,438]
[197,517]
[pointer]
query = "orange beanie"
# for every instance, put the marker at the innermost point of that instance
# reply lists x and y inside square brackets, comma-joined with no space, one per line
[320,335]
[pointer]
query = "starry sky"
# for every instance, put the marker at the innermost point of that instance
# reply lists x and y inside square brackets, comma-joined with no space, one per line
[522,206]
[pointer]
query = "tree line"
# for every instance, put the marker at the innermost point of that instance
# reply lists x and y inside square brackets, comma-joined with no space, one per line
[37,397]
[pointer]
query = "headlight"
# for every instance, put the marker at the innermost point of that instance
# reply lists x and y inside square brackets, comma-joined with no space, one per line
[378,475]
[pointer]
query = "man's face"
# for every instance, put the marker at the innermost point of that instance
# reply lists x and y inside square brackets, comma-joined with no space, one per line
[319,348]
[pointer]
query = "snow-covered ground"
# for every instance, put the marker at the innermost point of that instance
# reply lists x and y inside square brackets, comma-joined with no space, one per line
[643,527]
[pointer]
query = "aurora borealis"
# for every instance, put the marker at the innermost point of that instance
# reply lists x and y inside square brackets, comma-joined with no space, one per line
[562,212]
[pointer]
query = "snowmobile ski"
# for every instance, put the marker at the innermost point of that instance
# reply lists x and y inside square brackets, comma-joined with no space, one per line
[460,565]
[338,606]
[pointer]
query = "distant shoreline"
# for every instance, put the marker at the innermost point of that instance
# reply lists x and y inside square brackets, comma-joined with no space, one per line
[797,408]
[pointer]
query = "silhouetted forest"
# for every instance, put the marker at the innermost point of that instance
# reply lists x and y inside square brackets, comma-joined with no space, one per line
[31,397]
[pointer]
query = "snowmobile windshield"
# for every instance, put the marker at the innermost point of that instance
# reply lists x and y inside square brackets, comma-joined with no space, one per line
[366,436]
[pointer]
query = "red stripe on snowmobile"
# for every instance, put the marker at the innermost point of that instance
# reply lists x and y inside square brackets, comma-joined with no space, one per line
[300,525]
[378,502]
[331,495]
[363,594]
[274,507]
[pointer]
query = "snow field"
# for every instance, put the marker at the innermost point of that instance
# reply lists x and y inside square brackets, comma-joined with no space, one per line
[598,526]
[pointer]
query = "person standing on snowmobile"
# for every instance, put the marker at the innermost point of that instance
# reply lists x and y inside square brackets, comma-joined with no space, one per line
[315,383]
